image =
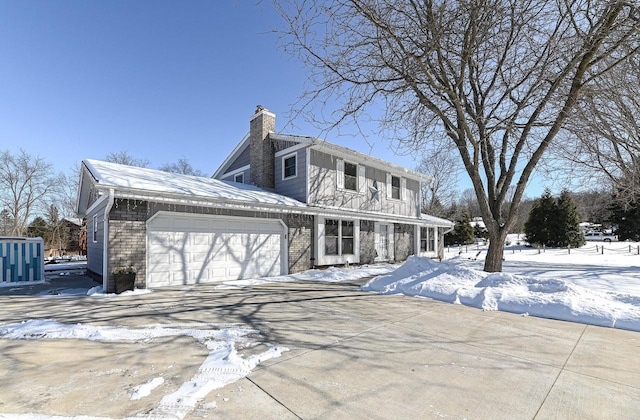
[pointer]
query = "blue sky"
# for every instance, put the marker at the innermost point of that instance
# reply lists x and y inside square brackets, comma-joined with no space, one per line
[159,79]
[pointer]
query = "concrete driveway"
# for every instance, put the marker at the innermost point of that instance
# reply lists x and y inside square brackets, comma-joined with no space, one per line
[352,355]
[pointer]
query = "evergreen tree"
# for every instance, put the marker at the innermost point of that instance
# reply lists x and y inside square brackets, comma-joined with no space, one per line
[462,232]
[627,219]
[538,226]
[567,223]
[38,228]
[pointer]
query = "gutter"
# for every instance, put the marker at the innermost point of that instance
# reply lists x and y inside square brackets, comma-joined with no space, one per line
[226,203]
[105,241]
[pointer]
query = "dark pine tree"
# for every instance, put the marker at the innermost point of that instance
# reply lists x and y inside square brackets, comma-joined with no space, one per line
[626,218]
[540,223]
[567,223]
[462,232]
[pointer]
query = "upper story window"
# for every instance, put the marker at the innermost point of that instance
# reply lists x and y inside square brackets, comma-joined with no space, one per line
[350,176]
[395,187]
[94,238]
[239,178]
[289,166]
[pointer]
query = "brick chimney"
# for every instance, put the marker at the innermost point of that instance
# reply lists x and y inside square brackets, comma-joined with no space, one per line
[262,153]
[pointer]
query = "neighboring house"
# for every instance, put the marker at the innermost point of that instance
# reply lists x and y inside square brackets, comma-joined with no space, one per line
[277,205]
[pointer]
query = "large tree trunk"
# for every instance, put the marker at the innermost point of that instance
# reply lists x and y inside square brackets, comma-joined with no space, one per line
[495,253]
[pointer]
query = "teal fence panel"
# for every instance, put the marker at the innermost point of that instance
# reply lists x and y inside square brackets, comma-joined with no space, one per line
[21,260]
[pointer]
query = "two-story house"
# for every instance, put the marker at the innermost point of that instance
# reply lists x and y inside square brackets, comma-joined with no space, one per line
[277,205]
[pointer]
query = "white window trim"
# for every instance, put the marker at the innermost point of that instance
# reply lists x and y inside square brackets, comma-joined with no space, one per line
[290,155]
[402,196]
[321,258]
[94,235]
[360,177]
[235,177]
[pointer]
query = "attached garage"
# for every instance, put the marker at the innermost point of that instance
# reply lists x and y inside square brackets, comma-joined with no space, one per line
[185,248]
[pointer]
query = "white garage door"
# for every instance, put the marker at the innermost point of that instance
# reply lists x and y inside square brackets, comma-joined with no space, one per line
[190,249]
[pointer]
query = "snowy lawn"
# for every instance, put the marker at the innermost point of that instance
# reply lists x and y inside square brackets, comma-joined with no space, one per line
[587,285]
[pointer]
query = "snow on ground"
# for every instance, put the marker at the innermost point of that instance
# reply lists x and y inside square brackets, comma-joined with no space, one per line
[586,285]
[223,365]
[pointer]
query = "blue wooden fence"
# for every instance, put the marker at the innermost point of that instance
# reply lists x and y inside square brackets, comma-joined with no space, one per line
[21,260]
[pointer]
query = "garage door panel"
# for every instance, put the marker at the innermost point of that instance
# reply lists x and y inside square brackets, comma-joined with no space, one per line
[187,249]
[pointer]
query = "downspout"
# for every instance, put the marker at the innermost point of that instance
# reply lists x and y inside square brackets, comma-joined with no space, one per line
[105,242]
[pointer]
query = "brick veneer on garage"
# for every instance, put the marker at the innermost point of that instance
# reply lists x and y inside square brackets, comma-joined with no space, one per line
[128,232]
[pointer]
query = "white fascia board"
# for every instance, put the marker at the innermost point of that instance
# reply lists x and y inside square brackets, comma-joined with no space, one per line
[291,149]
[357,157]
[293,138]
[235,171]
[232,156]
[97,203]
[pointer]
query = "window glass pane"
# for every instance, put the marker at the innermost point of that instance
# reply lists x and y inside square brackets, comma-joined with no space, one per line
[347,246]
[423,239]
[331,228]
[395,187]
[239,178]
[331,231]
[347,237]
[347,228]
[331,245]
[350,176]
[290,166]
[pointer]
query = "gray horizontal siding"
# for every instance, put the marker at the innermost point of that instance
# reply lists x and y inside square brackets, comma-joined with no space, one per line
[242,160]
[95,250]
[294,187]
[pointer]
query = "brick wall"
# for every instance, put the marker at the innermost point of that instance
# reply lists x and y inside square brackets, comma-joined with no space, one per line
[300,242]
[262,152]
[127,238]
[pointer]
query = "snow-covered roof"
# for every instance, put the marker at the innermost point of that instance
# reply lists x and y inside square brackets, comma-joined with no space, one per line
[132,180]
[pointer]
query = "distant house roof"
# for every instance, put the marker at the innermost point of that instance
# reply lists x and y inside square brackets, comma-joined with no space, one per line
[144,183]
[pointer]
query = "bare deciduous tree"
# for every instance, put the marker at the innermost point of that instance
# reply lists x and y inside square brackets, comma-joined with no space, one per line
[26,182]
[496,78]
[124,158]
[607,128]
[182,166]
[441,166]
[67,197]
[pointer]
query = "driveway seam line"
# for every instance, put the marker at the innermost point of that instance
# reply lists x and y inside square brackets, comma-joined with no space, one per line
[272,397]
[562,369]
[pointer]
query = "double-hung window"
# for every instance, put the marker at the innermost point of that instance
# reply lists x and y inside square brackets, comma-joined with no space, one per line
[289,166]
[351,176]
[427,239]
[395,187]
[338,237]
